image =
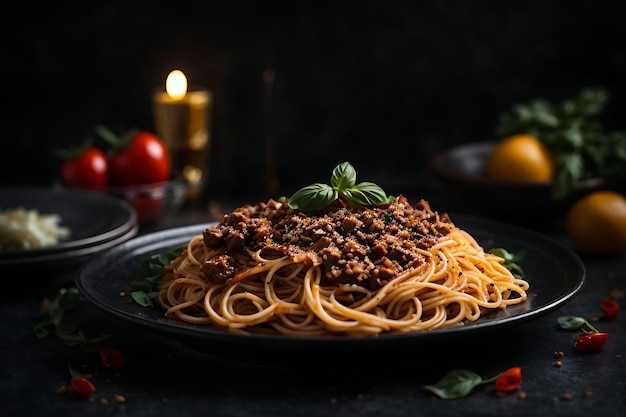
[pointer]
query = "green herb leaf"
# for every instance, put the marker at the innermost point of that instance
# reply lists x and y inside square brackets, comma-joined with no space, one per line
[343,176]
[366,194]
[144,298]
[571,322]
[67,299]
[151,271]
[313,197]
[576,323]
[342,186]
[58,323]
[457,383]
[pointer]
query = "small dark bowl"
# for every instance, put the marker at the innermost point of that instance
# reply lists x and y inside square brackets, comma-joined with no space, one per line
[461,169]
[152,202]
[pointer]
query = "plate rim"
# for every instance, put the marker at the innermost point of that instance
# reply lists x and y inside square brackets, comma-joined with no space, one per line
[130,222]
[69,256]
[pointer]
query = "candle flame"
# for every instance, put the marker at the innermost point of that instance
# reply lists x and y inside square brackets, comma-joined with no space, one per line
[176,85]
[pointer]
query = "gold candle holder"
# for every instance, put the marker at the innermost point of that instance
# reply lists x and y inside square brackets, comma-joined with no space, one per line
[183,119]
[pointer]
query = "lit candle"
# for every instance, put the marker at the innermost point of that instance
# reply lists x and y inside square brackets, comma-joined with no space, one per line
[182,119]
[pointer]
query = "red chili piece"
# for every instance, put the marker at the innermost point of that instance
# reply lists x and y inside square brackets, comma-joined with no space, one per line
[610,308]
[112,358]
[83,386]
[510,380]
[591,341]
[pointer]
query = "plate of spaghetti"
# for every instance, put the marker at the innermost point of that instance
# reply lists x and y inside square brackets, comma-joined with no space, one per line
[331,269]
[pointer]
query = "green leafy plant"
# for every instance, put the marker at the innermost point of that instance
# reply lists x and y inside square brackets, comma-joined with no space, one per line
[144,288]
[573,133]
[343,186]
[59,324]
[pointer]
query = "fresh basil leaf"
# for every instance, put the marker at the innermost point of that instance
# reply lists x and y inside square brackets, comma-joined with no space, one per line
[366,194]
[313,197]
[457,383]
[152,269]
[58,324]
[66,300]
[571,322]
[342,185]
[69,299]
[343,176]
[144,298]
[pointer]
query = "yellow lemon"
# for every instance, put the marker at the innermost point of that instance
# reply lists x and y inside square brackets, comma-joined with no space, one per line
[596,223]
[520,158]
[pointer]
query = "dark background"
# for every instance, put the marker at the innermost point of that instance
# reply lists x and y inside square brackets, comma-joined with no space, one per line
[383,85]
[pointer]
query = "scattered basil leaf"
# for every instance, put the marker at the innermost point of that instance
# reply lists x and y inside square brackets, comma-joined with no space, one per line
[576,323]
[571,322]
[57,322]
[144,298]
[458,383]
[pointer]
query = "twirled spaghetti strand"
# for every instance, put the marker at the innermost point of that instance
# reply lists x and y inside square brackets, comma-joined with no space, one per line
[457,282]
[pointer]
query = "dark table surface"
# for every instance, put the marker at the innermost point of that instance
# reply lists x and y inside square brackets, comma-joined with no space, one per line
[164,376]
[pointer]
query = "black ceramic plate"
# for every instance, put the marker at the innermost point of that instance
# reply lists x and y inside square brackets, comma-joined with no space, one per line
[70,257]
[556,274]
[93,218]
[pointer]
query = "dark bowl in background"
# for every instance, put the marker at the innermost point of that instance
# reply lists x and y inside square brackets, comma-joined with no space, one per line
[153,202]
[461,169]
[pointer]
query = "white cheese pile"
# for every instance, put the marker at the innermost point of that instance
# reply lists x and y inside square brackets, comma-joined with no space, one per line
[26,229]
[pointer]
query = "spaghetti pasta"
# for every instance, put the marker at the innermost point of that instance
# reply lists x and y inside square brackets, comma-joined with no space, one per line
[396,268]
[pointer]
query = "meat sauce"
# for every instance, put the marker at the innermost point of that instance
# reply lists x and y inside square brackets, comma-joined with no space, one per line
[363,246]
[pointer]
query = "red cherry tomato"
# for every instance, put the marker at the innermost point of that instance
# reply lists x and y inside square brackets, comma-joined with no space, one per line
[591,341]
[510,380]
[610,308]
[112,358]
[83,386]
[87,170]
[145,160]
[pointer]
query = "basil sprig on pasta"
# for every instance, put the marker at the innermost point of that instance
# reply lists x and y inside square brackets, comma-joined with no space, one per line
[343,186]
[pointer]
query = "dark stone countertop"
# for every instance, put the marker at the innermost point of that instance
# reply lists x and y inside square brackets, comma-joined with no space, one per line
[164,376]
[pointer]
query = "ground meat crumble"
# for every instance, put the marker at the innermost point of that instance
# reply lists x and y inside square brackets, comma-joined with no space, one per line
[366,247]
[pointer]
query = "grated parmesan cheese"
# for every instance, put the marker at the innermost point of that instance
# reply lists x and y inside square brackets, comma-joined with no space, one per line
[27,229]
